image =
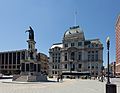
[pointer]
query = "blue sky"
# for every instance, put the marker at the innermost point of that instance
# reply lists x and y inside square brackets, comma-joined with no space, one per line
[51,18]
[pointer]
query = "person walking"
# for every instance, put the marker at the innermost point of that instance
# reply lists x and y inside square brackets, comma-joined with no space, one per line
[58,77]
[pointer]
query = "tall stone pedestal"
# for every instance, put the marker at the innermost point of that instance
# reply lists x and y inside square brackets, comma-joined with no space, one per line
[31,72]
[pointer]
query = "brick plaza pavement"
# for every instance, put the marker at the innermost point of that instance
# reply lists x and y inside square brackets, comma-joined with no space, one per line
[67,86]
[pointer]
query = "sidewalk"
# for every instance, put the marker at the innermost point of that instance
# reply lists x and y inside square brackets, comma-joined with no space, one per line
[67,86]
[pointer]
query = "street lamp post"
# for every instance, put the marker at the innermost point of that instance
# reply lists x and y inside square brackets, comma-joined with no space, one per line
[114,69]
[110,88]
[108,46]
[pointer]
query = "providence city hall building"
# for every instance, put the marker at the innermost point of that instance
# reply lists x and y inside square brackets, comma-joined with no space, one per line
[76,54]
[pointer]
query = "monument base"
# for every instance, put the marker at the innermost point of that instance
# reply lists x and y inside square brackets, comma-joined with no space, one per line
[30,78]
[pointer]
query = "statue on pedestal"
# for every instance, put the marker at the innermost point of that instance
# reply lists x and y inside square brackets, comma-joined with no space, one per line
[31,33]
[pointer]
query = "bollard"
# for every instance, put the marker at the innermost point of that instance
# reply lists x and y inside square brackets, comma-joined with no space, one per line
[111,88]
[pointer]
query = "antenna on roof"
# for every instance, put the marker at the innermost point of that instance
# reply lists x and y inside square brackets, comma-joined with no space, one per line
[75,18]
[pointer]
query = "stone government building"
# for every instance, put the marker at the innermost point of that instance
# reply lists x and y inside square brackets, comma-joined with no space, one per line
[76,54]
[10,61]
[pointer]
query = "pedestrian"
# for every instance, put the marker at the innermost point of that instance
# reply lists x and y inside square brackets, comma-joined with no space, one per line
[61,77]
[78,76]
[90,77]
[58,78]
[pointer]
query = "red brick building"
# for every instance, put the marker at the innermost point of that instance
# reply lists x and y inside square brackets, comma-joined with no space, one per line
[117,28]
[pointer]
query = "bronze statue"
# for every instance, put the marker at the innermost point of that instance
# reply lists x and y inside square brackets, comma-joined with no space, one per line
[31,33]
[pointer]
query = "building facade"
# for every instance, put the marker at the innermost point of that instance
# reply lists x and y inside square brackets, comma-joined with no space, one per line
[76,54]
[44,62]
[10,61]
[55,59]
[117,29]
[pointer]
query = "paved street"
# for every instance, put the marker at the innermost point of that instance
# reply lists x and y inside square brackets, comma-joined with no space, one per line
[67,86]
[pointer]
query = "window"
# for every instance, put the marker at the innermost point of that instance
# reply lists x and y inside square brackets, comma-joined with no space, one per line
[18,57]
[65,56]
[10,58]
[88,66]
[55,72]
[73,68]
[65,66]
[72,44]
[31,67]
[96,57]
[14,58]
[53,66]
[66,45]
[58,60]
[52,72]
[80,56]
[14,66]
[6,58]
[92,67]
[73,56]
[92,51]
[92,58]
[88,57]
[58,66]
[2,58]
[34,67]
[27,67]
[23,67]
[92,73]
[80,65]
[29,46]
[79,43]
[96,51]
[2,66]
[96,45]
[39,66]
[23,55]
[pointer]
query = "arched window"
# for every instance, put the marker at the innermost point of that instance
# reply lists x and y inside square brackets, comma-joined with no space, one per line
[65,57]
[72,55]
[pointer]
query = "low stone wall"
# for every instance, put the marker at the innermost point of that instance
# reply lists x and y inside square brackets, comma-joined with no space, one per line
[38,78]
[15,77]
[30,78]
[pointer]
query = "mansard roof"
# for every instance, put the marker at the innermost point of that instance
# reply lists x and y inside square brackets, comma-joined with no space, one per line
[60,45]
